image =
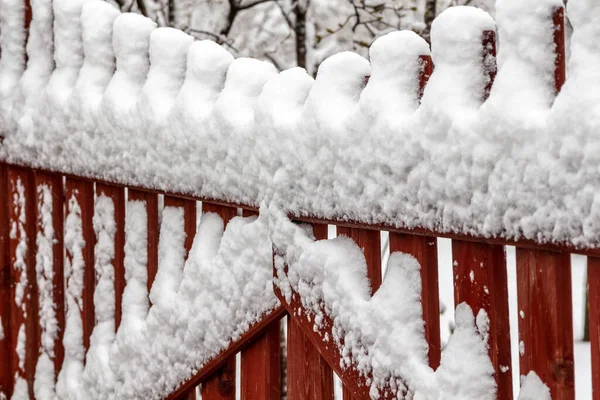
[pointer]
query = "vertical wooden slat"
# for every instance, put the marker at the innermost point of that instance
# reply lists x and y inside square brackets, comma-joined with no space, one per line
[6,377]
[480,280]
[221,385]
[545,319]
[151,201]
[54,183]
[544,289]
[117,195]
[260,362]
[260,369]
[83,192]
[22,223]
[594,309]
[424,249]
[370,242]
[308,374]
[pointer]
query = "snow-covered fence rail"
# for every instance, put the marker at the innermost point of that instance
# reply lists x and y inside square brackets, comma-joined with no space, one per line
[116,128]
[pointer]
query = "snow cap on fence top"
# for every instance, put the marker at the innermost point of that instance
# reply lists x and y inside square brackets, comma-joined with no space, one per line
[396,67]
[97,19]
[336,91]
[68,47]
[527,55]
[245,80]
[168,54]
[131,38]
[208,63]
[282,98]
[456,34]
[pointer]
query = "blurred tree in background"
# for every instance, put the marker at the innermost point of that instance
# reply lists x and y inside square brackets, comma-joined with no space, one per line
[295,32]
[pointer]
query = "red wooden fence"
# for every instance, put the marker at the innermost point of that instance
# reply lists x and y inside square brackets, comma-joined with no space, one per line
[480,280]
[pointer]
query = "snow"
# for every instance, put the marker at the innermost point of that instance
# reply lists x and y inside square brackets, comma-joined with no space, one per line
[329,276]
[509,160]
[44,372]
[532,388]
[183,116]
[97,366]
[69,377]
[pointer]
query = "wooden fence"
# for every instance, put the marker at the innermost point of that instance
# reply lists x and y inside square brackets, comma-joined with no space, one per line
[543,282]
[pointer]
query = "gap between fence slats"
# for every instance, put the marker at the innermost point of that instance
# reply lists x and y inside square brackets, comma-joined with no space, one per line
[54,183]
[546,320]
[117,195]
[593,273]
[22,214]
[6,377]
[151,202]
[83,193]
[308,374]
[221,385]
[480,280]
[424,249]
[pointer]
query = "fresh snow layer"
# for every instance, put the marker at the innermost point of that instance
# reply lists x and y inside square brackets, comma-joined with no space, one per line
[182,116]
[329,276]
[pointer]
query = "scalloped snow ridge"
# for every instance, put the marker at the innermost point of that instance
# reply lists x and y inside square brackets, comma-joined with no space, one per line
[183,116]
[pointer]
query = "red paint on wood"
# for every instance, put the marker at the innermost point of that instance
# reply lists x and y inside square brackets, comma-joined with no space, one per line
[22,221]
[424,249]
[54,183]
[221,385]
[425,73]
[594,308]
[545,320]
[83,193]
[6,376]
[480,280]
[308,374]
[117,195]
[244,340]
[560,72]
[151,201]
[353,381]
[260,367]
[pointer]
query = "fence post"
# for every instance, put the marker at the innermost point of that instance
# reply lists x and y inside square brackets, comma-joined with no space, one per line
[480,280]
[261,361]
[221,385]
[424,249]
[544,290]
[370,242]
